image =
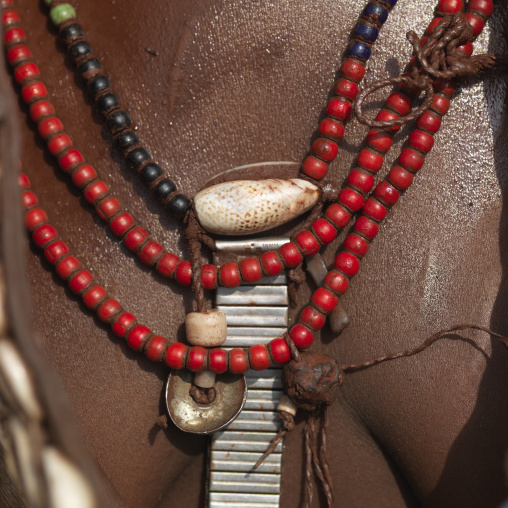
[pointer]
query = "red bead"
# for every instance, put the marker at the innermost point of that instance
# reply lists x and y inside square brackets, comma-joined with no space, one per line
[44,234]
[93,296]
[386,115]
[166,266]
[122,324]
[339,108]
[149,252]
[9,16]
[315,168]
[49,126]
[279,350]
[312,318]
[41,109]
[209,276]
[6,3]
[290,255]
[108,207]
[351,69]
[108,309]
[336,282]
[183,273]
[135,238]
[369,160]
[446,87]
[137,337]
[196,359]
[485,7]
[67,266]
[325,149]
[411,160]
[271,263]
[238,361]
[71,158]
[229,275]
[331,129]
[18,54]
[95,190]
[360,180]
[338,215]
[400,177]
[25,72]
[476,22]
[366,227]
[59,143]
[380,140]
[35,217]
[307,243]
[250,270]
[346,88]
[374,209]
[23,181]
[14,35]
[80,281]
[432,25]
[55,251]
[259,357]
[156,348]
[28,199]
[466,48]
[324,300]
[351,198]
[386,193]
[324,231]
[450,6]
[218,360]
[33,92]
[347,263]
[356,245]
[429,122]
[121,224]
[400,103]
[176,355]
[421,141]
[301,336]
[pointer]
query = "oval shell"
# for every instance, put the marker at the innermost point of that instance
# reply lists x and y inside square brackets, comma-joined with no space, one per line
[251,206]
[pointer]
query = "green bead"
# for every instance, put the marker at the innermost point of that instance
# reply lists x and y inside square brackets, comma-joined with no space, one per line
[62,13]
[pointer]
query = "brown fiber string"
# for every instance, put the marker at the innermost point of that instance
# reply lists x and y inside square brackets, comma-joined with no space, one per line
[352,367]
[437,58]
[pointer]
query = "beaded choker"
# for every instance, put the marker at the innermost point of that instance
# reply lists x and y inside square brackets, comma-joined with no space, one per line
[323,229]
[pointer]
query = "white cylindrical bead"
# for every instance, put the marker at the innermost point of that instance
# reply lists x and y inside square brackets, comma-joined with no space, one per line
[205,379]
[207,329]
[287,405]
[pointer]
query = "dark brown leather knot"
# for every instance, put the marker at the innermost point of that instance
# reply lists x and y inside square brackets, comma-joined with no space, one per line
[437,58]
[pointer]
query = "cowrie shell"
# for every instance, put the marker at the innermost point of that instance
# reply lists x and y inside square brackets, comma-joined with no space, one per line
[244,207]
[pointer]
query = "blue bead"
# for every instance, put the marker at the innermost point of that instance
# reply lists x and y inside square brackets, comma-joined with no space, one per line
[358,49]
[376,10]
[391,2]
[368,33]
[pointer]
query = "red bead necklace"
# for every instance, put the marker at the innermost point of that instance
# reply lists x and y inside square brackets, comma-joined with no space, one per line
[351,199]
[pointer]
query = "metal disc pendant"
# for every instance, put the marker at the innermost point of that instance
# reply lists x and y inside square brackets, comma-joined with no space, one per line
[189,416]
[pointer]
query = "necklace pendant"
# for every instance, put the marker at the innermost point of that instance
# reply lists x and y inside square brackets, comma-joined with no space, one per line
[190,416]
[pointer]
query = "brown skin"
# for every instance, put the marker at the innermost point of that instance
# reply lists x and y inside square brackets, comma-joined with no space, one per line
[243,82]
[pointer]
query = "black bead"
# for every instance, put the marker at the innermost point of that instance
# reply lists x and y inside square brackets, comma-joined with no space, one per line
[178,205]
[125,140]
[91,64]
[118,121]
[80,49]
[137,158]
[98,84]
[71,32]
[163,189]
[107,102]
[150,172]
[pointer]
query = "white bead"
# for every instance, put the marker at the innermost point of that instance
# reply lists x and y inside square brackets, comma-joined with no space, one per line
[250,206]
[205,379]
[287,405]
[207,329]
